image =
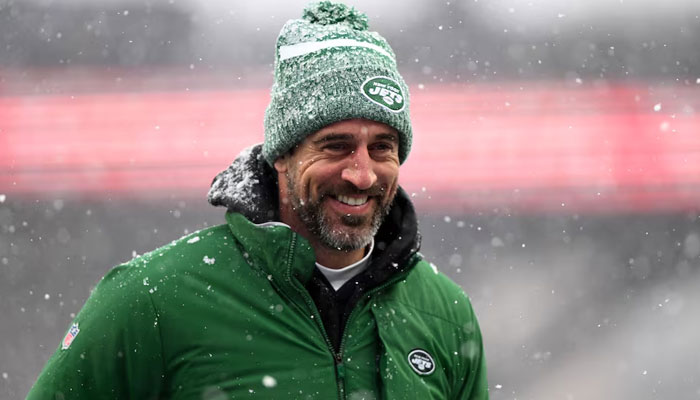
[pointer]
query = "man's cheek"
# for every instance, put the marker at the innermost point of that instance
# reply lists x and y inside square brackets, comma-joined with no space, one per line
[390,192]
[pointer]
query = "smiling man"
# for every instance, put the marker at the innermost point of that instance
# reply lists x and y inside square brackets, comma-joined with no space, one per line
[314,288]
[338,185]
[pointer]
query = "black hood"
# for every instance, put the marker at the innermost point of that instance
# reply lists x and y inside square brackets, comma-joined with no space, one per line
[248,186]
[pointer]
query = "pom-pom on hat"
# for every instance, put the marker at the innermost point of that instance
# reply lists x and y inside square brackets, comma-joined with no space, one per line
[329,67]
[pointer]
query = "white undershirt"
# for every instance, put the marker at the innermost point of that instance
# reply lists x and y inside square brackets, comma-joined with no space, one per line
[338,277]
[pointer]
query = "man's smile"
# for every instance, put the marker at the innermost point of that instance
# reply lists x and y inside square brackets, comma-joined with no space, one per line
[352,200]
[352,205]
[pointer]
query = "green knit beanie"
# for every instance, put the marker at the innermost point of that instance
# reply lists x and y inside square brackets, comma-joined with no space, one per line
[329,67]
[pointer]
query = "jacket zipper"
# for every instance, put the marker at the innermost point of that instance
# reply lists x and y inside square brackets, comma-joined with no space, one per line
[369,294]
[338,357]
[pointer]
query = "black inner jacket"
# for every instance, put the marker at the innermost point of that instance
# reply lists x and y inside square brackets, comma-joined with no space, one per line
[249,187]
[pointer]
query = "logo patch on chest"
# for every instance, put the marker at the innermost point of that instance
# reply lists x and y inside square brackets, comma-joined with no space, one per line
[421,362]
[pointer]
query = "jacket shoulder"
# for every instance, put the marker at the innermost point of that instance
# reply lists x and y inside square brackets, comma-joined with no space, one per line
[118,328]
[210,240]
[430,291]
[117,331]
[201,247]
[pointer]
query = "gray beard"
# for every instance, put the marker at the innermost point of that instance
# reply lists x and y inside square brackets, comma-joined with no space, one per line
[358,230]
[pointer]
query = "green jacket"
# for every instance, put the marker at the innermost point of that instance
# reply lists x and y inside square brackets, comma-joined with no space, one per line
[225,313]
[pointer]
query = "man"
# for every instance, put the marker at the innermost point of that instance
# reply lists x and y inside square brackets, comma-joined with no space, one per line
[314,288]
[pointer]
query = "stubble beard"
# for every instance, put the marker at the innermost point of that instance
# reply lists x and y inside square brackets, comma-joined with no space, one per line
[351,232]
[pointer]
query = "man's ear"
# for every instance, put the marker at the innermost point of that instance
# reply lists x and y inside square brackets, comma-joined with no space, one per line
[281,164]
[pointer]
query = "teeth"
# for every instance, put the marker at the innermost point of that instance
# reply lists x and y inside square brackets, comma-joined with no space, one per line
[353,201]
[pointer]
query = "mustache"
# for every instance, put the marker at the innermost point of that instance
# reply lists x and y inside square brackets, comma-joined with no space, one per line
[348,189]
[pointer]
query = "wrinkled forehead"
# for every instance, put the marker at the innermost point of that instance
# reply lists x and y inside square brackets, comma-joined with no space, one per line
[355,129]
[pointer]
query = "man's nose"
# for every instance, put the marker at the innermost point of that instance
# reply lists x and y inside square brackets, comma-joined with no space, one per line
[360,170]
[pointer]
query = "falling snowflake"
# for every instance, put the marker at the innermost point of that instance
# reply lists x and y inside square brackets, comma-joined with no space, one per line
[434,267]
[208,260]
[269,382]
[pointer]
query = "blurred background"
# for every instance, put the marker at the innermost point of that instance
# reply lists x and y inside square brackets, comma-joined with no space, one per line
[555,168]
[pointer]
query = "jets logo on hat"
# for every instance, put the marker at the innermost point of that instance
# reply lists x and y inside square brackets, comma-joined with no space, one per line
[70,336]
[421,362]
[385,92]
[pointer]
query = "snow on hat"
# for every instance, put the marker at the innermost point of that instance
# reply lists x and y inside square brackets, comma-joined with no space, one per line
[329,67]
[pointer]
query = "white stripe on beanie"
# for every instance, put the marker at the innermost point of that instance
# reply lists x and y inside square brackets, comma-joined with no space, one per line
[300,49]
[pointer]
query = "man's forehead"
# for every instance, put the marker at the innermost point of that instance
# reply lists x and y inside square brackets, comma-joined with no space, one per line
[351,129]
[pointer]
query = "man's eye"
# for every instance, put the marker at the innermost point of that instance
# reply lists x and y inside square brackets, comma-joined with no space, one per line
[335,146]
[383,147]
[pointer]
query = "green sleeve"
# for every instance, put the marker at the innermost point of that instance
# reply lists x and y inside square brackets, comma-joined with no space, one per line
[117,353]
